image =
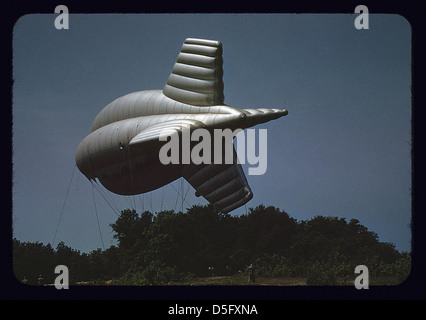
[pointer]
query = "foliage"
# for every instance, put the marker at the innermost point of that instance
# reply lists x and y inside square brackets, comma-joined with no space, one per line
[154,249]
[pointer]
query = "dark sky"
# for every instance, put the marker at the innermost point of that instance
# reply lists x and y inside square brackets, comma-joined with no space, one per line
[343,150]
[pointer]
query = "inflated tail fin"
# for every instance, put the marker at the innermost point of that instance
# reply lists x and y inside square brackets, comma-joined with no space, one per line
[196,77]
[223,185]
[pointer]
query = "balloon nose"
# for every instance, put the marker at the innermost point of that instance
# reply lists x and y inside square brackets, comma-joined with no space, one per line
[281,112]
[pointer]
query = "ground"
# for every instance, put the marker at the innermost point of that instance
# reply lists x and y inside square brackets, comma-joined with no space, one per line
[242,280]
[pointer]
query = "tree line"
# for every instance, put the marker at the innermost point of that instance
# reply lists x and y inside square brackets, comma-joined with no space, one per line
[167,246]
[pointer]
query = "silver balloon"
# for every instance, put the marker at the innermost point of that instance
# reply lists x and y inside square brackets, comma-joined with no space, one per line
[122,149]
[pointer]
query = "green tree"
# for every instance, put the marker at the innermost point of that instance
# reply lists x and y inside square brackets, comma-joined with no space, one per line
[33,260]
[165,246]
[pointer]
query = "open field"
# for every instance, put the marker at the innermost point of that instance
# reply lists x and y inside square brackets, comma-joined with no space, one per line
[242,280]
[234,280]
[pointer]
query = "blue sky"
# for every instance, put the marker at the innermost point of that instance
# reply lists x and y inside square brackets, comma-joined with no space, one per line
[343,150]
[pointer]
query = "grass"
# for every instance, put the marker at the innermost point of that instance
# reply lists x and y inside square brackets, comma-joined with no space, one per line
[239,280]
[242,280]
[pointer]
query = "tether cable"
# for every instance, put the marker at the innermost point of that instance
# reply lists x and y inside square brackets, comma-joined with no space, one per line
[63,205]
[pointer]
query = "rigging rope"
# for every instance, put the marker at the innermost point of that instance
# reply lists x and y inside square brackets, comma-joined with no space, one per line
[63,205]
[142,200]
[163,195]
[97,218]
[181,195]
[108,201]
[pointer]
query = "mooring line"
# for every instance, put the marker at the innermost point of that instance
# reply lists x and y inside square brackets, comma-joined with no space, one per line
[109,201]
[63,205]
[97,218]
[181,195]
